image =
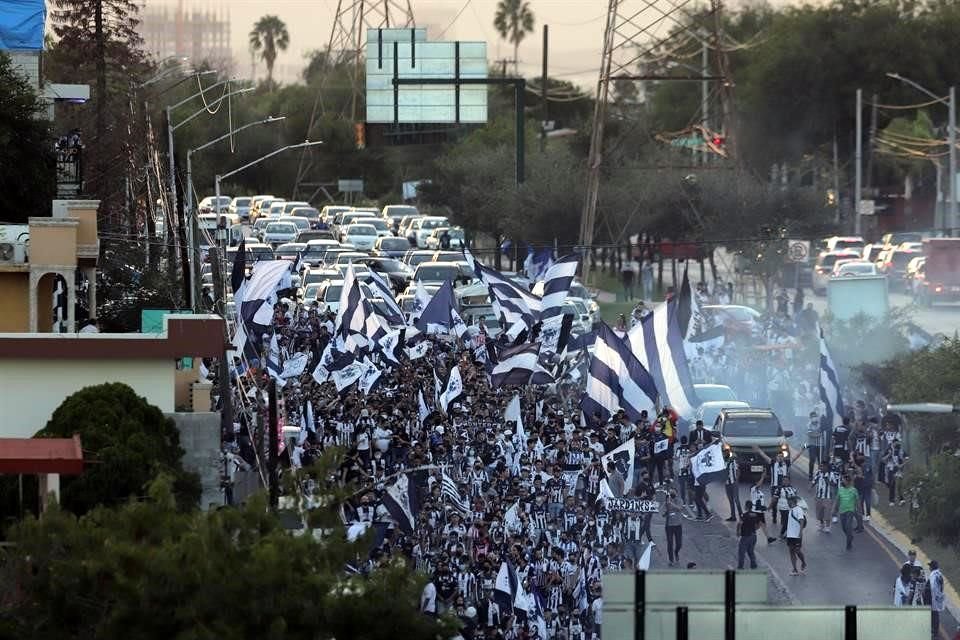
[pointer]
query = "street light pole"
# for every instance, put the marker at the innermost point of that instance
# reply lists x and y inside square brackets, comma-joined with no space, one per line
[858,174]
[191,218]
[952,141]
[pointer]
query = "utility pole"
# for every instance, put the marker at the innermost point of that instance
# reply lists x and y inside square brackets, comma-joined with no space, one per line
[952,141]
[858,173]
[543,92]
[226,396]
[836,179]
[870,141]
[705,97]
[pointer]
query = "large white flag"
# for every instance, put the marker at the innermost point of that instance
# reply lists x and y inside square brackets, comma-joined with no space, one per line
[512,414]
[708,463]
[623,459]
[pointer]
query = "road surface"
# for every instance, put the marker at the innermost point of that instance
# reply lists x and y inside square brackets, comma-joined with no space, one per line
[942,318]
[863,576]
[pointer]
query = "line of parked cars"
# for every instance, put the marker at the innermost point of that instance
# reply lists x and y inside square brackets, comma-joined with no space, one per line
[897,256]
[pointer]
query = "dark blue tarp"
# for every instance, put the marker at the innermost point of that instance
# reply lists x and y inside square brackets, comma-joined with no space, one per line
[21,24]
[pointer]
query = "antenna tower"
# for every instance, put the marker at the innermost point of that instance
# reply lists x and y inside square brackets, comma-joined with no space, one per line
[649,40]
[348,38]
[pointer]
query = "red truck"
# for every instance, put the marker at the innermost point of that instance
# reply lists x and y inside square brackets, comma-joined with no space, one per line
[940,280]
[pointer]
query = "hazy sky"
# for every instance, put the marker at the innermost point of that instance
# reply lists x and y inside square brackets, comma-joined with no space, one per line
[576,29]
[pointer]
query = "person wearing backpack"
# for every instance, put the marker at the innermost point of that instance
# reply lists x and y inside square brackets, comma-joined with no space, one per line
[796,522]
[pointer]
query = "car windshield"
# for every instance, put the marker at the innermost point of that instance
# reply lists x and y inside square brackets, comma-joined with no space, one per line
[243,202]
[456,233]
[289,251]
[394,244]
[579,291]
[752,426]
[417,258]
[361,230]
[388,264]
[261,253]
[856,268]
[848,244]
[303,212]
[377,223]
[449,256]
[437,274]
[714,393]
[310,293]
[281,227]
[874,253]
[300,223]
[314,277]
[432,224]
[401,212]
[332,293]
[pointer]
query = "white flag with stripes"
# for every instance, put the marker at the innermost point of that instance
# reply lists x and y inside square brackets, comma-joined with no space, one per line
[450,492]
[830,385]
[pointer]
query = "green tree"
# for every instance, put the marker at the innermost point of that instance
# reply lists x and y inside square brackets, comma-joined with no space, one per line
[97,43]
[269,36]
[27,168]
[150,571]
[513,21]
[128,442]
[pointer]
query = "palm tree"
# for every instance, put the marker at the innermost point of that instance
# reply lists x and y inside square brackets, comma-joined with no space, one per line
[268,36]
[513,21]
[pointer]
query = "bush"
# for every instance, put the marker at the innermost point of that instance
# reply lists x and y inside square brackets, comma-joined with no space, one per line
[126,441]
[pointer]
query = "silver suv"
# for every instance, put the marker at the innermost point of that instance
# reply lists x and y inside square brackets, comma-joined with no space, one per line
[745,430]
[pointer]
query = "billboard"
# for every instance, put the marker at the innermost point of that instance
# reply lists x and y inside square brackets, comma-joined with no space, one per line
[407,53]
[21,25]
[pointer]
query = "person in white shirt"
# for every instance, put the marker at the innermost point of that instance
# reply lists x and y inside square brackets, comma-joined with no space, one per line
[428,600]
[938,597]
[796,521]
[901,589]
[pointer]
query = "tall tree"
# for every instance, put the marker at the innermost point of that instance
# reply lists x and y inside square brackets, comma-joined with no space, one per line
[26,160]
[97,43]
[269,36]
[513,21]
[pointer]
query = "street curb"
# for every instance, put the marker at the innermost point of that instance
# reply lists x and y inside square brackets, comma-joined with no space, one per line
[901,542]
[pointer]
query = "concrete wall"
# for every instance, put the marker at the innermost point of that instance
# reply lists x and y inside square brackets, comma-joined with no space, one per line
[30,390]
[200,439]
[15,291]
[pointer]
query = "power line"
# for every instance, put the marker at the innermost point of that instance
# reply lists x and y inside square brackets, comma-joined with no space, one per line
[456,17]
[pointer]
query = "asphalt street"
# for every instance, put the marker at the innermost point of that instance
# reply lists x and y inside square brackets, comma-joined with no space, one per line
[942,318]
[863,576]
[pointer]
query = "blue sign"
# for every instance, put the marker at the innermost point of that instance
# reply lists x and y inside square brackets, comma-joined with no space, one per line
[21,24]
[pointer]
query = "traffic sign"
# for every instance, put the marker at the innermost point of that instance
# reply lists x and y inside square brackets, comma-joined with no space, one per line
[798,250]
[868,207]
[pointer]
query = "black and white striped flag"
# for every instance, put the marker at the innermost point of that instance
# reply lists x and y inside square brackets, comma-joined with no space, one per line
[616,379]
[556,285]
[59,305]
[449,491]
[829,385]
[520,366]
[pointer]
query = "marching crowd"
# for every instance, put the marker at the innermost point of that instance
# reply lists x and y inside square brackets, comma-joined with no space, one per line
[514,476]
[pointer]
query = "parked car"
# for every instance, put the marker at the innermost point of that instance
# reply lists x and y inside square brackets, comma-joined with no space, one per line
[852,268]
[455,234]
[315,234]
[319,276]
[414,257]
[207,204]
[290,250]
[713,393]
[395,213]
[420,229]
[240,207]
[824,266]
[383,229]
[894,265]
[397,273]
[256,202]
[330,211]
[437,273]
[360,235]
[391,247]
[736,319]
[276,208]
[404,226]
[745,430]
[302,223]
[277,233]
[582,322]
[346,257]
[290,205]
[309,213]
[838,243]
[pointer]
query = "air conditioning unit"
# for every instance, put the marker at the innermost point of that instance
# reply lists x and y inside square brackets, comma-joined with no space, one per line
[13,252]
